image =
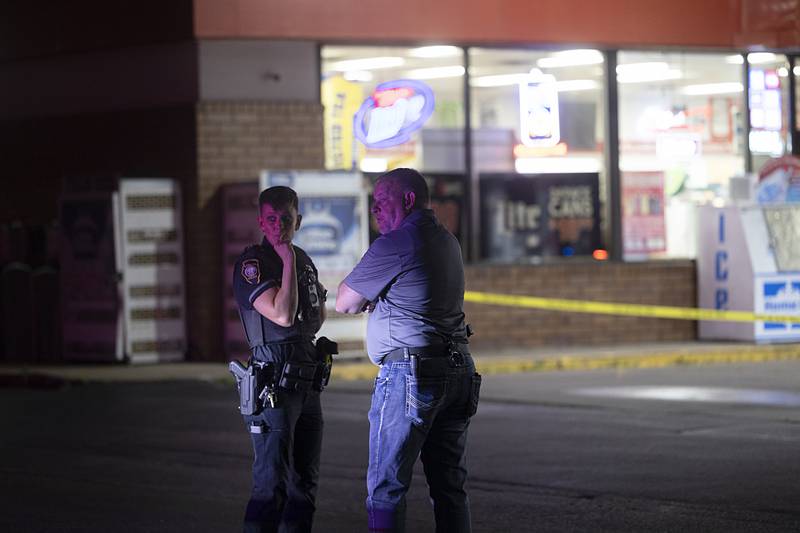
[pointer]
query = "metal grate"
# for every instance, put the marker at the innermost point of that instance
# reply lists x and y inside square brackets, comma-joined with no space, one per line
[152,235]
[153,259]
[145,291]
[155,313]
[151,201]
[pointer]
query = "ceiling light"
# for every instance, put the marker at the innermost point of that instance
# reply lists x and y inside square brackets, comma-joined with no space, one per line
[433,73]
[358,75]
[783,72]
[644,72]
[652,66]
[761,57]
[435,51]
[576,85]
[713,88]
[367,63]
[499,80]
[571,58]
[735,59]
[556,165]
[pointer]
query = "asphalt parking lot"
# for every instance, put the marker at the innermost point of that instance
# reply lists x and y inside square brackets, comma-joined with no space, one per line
[710,448]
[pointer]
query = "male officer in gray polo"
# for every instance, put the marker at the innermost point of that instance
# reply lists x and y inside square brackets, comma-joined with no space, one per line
[412,281]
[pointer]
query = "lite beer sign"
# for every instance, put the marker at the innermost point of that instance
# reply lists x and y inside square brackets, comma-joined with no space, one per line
[392,113]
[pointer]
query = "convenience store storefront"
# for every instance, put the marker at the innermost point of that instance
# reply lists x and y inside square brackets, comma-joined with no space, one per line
[569,142]
[525,135]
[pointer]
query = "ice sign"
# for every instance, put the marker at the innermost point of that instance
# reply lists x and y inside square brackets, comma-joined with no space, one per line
[538,110]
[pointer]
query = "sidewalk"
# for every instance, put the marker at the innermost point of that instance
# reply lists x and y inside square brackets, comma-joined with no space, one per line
[538,359]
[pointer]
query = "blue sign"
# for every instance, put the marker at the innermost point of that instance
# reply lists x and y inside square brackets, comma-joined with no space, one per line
[721,268]
[781,298]
[392,113]
[329,223]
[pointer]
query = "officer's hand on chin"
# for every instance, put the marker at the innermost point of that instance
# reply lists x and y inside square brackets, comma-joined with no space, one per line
[284,249]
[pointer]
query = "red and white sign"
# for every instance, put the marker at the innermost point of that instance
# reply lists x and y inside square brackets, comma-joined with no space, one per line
[643,226]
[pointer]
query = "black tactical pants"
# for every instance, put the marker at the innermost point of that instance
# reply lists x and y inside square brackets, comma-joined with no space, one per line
[286,464]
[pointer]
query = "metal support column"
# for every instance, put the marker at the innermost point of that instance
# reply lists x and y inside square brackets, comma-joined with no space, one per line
[748,157]
[793,136]
[614,198]
[473,194]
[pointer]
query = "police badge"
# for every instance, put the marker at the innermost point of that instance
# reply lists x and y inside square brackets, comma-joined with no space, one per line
[251,271]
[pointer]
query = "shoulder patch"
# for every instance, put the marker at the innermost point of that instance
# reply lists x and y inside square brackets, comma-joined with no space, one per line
[251,271]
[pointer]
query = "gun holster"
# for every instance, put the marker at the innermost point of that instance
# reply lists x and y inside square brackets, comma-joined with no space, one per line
[251,381]
[326,349]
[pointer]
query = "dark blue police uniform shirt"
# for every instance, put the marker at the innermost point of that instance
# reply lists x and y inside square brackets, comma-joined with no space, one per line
[415,277]
[260,268]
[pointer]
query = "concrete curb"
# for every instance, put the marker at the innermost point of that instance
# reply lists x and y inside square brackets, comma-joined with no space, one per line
[511,365]
[52,376]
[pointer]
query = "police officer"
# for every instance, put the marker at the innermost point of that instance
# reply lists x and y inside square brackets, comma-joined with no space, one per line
[411,279]
[282,306]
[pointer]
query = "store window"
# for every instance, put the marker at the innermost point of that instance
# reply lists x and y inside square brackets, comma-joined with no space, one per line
[388,107]
[537,121]
[769,108]
[680,117]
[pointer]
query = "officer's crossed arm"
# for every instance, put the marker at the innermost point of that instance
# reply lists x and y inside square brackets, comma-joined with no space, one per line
[279,304]
[349,301]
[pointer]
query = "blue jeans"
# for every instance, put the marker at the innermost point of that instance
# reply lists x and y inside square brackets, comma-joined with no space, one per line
[287,456]
[426,417]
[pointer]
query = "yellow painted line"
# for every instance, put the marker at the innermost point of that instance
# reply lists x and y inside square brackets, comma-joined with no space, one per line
[651,360]
[609,308]
[510,365]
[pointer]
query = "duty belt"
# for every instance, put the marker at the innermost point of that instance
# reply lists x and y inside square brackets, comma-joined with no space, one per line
[431,360]
[443,350]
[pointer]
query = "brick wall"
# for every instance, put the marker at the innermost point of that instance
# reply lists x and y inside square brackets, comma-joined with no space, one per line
[235,142]
[659,283]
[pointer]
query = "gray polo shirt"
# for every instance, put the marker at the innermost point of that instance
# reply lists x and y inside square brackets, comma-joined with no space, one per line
[415,277]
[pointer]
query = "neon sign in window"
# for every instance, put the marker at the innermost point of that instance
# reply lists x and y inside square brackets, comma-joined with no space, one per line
[538,110]
[392,113]
[766,120]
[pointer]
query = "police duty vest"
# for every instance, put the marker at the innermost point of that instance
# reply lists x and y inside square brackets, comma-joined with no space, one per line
[259,269]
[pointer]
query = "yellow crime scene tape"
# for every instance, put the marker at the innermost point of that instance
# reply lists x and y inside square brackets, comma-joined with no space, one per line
[609,308]
[498,365]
